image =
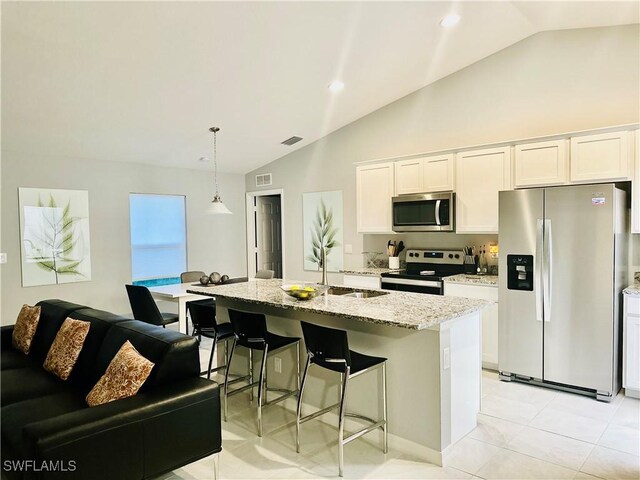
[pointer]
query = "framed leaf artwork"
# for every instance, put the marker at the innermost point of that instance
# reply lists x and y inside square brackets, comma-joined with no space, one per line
[322,220]
[54,234]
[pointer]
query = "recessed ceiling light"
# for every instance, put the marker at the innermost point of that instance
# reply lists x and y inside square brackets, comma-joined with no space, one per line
[450,20]
[336,86]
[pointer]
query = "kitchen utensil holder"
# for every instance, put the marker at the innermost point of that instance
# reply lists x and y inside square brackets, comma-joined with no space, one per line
[394,262]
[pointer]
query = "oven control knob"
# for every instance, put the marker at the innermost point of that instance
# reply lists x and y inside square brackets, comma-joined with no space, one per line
[451,255]
[457,255]
[411,254]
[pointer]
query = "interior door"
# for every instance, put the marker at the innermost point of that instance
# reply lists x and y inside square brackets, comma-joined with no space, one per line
[269,234]
[519,311]
[578,326]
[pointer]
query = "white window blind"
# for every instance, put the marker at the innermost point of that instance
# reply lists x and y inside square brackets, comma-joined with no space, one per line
[158,237]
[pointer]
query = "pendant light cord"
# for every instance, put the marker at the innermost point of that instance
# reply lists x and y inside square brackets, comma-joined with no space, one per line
[215,130]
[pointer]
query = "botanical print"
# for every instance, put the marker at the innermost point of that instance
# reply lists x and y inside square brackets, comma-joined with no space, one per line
[322,223]
[54,227]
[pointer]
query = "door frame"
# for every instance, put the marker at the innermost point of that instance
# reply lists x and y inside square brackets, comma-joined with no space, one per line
[251,228]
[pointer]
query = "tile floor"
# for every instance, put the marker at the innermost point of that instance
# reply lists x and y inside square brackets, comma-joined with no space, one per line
[523,432]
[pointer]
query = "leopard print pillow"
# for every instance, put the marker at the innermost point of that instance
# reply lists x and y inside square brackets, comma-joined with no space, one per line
[25,328]
[66,347]
[124,376]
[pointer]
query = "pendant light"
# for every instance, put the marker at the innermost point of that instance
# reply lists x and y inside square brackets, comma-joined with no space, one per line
[217,207]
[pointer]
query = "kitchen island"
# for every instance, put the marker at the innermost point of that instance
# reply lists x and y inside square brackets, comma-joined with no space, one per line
[432,344]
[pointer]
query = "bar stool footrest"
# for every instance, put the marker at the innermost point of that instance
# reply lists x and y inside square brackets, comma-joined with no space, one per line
[313,415]
[364,431]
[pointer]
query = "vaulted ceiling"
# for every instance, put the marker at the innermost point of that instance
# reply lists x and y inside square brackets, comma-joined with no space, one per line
[143,81]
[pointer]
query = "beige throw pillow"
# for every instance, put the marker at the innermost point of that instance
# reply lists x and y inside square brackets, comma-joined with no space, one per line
[66,347]
[124,376]
[25,328]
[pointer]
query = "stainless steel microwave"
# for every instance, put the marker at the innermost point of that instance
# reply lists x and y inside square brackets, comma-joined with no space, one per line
[429,212]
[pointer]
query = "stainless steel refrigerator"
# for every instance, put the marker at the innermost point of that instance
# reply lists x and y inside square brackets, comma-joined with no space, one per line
[563,261]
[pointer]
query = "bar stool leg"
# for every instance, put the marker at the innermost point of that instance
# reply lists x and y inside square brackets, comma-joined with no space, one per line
[226,378]
[345,379]
[298,366]
[251,373]
[299,406]
[213,349]
[385,432]
[260,383]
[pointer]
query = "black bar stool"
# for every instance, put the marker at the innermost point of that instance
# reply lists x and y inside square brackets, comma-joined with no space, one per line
[251,332]
[203,317]
[329,348]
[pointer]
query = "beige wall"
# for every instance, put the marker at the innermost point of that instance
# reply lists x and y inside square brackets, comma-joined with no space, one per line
[549,83]
[214,242]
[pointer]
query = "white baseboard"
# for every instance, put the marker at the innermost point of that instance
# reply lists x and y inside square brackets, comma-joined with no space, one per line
[632,392]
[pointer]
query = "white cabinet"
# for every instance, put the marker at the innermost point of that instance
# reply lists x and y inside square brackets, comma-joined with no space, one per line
[409,176]
[374,190]
[361,281]
[635,188]
[631,346]
[600,157]
[489,317]
[541,163]
[480,175]
[423,175]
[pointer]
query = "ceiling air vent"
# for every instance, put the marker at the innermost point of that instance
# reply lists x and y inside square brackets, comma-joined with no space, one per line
[263,180]
[291,141]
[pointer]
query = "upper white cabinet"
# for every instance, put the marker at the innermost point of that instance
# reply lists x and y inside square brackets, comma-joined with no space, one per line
[600,157]
[541,163]
[635,188]
[374,190]
[480,175]
[422,175]
[409,176]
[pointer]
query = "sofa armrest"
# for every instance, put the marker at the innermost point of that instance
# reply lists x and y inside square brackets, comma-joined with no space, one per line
[6,332]
[137,437]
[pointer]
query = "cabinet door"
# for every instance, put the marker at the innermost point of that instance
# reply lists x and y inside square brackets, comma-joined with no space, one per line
[361,281]
[437,175]
[480,175]
[374,190]
[489,317]
[635,188]
[542,163]
[631,349]
[600,157]
[409,176]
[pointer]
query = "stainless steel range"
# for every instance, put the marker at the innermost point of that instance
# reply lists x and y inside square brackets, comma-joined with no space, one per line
[425,271]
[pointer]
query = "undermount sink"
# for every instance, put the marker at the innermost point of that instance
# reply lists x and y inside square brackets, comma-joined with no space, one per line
[354,292]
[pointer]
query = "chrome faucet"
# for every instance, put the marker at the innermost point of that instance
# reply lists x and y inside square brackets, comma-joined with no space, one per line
[323,260]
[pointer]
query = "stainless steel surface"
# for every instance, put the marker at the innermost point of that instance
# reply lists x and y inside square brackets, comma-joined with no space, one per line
[427,256]
[579,345]
[519,333]
[437,226]
[411,281]
[537,272]
[355,292]
[580,264]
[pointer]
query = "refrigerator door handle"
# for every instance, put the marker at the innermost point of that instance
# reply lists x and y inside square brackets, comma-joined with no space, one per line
[537,277]
[548,275]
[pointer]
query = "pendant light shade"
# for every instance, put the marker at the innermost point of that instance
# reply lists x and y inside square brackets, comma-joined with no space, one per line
[217,207]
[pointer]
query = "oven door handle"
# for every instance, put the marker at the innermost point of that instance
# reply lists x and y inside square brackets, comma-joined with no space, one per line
[438,212]
[406,281]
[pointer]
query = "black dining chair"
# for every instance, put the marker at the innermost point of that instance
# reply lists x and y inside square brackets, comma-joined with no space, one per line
[203,316]
[145,309]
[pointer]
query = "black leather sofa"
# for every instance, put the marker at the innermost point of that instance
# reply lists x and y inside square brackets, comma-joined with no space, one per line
[49,432]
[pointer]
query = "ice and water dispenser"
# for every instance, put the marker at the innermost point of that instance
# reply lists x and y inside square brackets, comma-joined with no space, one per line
[520,272]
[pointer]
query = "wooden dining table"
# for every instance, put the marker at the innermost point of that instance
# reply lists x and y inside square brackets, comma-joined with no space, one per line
[178,293]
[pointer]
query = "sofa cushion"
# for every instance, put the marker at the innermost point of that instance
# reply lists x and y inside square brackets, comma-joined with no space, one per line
[16,415]
[25,328]
[124,376]
[83,374]
[29,382]
[53,313]
[66,347]
[10,358]
[174,354]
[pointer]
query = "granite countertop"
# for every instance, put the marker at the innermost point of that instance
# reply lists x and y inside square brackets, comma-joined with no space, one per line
[415,311]
[376,272]
[487,280]
[632,289]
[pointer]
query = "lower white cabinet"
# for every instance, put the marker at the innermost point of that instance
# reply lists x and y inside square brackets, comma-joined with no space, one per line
[489,317]
[631,346]
[361,281]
